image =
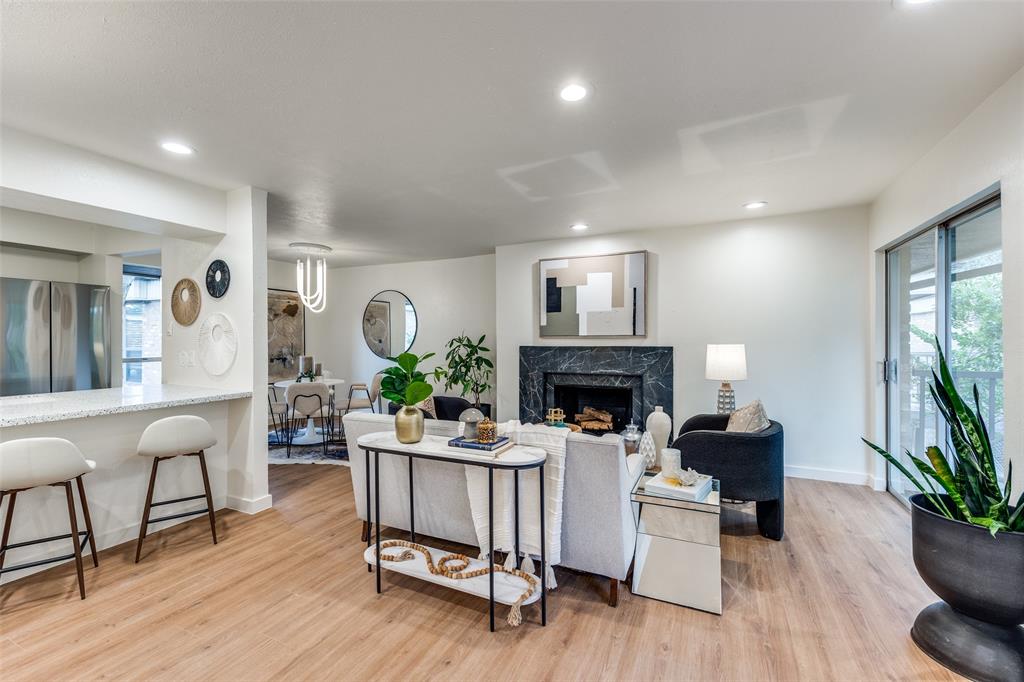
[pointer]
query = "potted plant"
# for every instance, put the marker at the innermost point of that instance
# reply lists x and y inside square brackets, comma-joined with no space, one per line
[468,368]
[405,385]
[968,544]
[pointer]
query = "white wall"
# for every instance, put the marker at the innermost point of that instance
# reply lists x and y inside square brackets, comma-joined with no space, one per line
[243,248]
[450,296]
[28,263]
[281,275]
[986,148]
[792,288]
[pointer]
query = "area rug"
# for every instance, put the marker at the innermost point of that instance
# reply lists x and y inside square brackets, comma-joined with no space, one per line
[337,454]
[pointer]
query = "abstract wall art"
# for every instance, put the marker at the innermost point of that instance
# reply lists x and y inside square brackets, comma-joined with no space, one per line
[286,333]
[594,295]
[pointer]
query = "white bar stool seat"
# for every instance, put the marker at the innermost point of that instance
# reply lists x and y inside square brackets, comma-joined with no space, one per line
[35,462]
[181,436]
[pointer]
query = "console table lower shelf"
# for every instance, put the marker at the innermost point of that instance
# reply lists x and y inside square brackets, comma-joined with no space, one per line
[507,588]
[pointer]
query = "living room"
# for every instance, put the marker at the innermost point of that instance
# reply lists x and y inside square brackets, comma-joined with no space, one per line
[590,330]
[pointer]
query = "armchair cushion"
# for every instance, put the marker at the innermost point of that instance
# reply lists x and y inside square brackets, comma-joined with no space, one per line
[748,419]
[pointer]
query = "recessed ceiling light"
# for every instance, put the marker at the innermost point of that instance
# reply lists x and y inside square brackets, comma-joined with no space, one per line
[755,204]
[573,92]
[578,227]
[177,148]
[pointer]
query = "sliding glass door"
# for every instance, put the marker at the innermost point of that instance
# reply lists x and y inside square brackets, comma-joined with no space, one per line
[947,283]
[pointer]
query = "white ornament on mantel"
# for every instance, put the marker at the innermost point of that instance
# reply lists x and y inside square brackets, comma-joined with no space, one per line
[647,450]
[659,425]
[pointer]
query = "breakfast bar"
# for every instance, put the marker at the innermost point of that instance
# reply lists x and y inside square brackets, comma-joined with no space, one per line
[105,424]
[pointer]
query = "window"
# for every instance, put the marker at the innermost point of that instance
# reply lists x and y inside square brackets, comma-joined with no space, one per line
[946,282]
[140,330]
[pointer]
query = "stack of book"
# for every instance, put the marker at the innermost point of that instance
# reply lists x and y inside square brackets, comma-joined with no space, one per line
[697,492]
[494,448]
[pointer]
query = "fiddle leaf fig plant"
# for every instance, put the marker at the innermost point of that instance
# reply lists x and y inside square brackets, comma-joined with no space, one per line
[404,383]
[468,367]
[966,488]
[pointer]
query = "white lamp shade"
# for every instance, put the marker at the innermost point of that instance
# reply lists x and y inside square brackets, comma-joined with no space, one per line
[726,362]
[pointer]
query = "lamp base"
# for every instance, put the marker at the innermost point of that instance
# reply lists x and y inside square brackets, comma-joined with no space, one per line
[726,399]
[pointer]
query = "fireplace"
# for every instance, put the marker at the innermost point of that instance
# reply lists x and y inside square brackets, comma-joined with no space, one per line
[626,381]
[618,402]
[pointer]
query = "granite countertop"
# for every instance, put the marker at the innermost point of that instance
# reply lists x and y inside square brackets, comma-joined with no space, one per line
[20,410]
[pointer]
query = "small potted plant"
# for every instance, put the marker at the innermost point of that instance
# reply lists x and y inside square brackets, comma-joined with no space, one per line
[405,385]
[468,368]
[968,544]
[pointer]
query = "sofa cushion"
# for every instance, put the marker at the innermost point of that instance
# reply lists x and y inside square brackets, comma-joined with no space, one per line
[749,419]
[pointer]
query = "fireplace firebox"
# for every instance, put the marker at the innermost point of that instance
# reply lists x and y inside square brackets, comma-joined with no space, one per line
[616,401]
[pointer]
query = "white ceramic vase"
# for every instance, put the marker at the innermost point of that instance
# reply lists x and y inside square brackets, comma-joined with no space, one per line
[659,425]
[647,450]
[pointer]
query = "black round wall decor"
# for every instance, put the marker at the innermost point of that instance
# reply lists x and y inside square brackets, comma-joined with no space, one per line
[218,278]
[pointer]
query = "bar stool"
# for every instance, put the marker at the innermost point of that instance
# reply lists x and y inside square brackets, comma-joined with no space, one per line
[171,437]
[32,463]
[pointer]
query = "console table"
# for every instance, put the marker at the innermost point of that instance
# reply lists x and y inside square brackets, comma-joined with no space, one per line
[515,459]
[678,555]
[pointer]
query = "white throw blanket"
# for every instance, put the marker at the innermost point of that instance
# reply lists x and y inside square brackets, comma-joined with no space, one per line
[552,441]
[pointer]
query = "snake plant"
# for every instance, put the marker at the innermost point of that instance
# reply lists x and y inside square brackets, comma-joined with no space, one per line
[970,482]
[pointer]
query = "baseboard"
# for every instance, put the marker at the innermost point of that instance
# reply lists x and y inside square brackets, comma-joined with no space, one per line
[105,539]
[250,506]
[834,476]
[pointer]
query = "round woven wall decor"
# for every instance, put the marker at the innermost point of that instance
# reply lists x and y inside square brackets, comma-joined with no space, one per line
[185,302]
[217,344]
[218,278]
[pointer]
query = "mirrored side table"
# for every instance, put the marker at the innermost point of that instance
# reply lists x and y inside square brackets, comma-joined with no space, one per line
[678,555]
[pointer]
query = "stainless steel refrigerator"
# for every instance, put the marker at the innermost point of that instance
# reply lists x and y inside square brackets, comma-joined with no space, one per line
[56,336]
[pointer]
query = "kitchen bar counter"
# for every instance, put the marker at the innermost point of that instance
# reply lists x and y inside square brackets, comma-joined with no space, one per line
[106,425]
[52,407]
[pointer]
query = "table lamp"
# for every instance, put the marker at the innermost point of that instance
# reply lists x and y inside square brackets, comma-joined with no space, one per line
[726,362]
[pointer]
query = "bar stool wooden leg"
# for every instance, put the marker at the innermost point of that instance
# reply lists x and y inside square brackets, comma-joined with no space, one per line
[7,526]
[209,496]
[145,512]
[88,521]
[72,514]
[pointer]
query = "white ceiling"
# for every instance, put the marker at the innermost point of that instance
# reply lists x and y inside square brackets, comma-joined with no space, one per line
[404,131]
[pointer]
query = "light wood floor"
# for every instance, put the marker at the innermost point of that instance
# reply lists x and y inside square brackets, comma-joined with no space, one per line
[285,595]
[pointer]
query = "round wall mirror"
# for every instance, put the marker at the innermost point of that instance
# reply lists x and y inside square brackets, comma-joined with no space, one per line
[389,323]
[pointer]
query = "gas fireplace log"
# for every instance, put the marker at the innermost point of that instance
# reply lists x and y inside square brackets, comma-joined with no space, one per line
[600,415]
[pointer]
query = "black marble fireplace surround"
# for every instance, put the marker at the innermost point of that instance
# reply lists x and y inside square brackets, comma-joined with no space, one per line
[644,371]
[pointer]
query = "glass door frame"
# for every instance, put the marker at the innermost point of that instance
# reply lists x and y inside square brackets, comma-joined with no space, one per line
[942,228]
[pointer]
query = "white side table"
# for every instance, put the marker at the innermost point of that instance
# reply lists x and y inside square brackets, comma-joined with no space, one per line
[678,555]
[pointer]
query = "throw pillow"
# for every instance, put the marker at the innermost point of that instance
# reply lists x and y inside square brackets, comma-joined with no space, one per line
[427,405]
[749,419]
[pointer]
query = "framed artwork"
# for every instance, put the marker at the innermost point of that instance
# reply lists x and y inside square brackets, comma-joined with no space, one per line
[286,333]
[377,327]
[594,295]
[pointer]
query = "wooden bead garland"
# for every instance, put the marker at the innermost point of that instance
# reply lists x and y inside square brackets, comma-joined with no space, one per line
[446,568]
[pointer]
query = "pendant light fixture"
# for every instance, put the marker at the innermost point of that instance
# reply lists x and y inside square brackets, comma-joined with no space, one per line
[311,286]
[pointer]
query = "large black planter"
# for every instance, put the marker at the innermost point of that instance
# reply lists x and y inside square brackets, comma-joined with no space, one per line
[977,631]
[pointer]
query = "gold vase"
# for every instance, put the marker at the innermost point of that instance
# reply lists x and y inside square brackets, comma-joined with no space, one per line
[409,425]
